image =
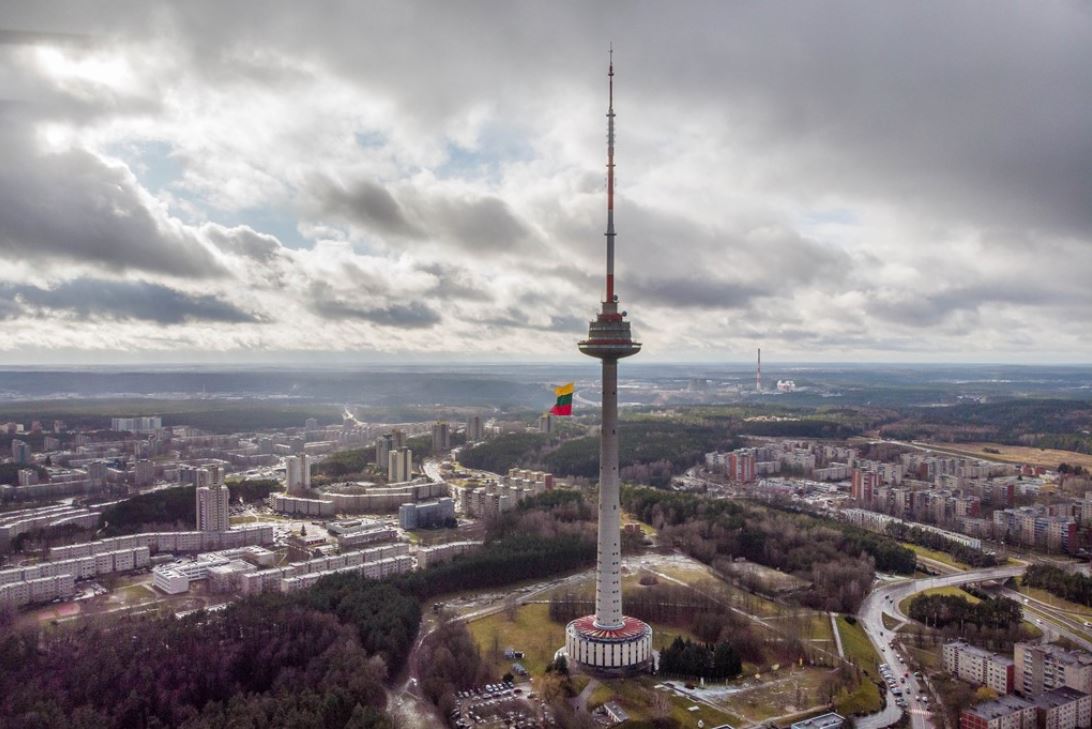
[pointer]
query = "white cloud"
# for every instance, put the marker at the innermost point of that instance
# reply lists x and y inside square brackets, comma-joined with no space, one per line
[837,184]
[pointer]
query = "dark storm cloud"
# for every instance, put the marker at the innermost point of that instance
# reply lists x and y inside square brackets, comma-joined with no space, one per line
[243,241]
[694,292]
[454,283]
[367,204]
[514,318]
[325,302]
[929,309]
[88,298]
[71,206]
[468,222]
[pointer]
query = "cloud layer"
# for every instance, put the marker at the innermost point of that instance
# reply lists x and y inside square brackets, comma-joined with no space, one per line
[845,181]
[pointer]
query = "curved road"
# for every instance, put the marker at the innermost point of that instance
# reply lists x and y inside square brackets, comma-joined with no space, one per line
[885,599]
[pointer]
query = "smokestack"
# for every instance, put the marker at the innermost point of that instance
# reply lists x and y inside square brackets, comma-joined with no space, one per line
[758,372]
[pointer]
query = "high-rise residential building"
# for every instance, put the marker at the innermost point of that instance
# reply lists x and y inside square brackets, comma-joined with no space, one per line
[978,666]
[546,423]
[398,437]
[474,429]
[297,474]
[1043,667]
[441,437]
[384,444]
[20,452]
[1006,712]
[1064,708]
[144,424]
[310,424]
[143,472]
[399,465]
[212,508]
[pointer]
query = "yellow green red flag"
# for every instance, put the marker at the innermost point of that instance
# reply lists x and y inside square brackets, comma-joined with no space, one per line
[564,405]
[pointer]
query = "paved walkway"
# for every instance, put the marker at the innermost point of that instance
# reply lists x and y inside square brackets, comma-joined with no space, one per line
[837,634]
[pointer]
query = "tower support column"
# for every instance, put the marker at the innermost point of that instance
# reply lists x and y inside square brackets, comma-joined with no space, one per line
[608,581]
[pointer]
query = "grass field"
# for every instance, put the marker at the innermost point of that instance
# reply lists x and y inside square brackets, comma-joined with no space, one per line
[858,648]
[643,702]
[865,699]
[942,557]
[532,632]
[778,694]
[1046,457]
[889,622]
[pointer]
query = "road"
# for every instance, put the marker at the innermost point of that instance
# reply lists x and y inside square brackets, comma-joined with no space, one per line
[885,599]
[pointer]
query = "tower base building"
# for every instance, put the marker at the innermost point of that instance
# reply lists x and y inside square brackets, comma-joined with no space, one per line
[623,651]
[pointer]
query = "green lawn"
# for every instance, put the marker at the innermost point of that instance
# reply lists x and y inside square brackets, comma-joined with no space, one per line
[865,699]
[639,699]
[942,557]
[858,648]
[532,632]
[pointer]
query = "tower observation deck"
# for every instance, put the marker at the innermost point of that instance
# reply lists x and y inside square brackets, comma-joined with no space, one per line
[609,641]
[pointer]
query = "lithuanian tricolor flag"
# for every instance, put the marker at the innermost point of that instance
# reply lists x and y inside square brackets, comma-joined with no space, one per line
[564,404]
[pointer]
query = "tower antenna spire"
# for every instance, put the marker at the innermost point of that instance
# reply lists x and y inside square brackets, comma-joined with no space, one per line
[610,177]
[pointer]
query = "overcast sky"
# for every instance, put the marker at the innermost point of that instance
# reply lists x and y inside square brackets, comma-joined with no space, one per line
[355,181]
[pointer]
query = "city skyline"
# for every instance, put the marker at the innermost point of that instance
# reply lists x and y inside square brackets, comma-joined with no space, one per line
[840,184]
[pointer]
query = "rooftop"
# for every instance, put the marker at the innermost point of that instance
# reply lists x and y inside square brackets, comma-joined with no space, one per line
[1003,706]
[823,721]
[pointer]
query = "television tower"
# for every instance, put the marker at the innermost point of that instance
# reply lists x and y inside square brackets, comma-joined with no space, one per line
[609,641]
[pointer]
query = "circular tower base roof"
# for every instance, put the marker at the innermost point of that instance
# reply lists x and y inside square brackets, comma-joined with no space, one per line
[621,651]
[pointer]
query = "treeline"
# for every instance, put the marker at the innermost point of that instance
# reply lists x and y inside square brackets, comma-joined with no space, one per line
[9,472]
[504,452]
[263,662]
[701,660]
[837,560]
[316,659]
[932,540]
[652,450]
[1072,586]
[450,662]
[345,463]
[253,490]
[173,508]
[805,428]
[939,611]
[503,562]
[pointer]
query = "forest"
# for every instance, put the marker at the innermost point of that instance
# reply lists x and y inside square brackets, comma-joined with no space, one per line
[173,508]
[316,659]
[938,611]
[837,560]
[700,660]
[1072,586]
[932,540]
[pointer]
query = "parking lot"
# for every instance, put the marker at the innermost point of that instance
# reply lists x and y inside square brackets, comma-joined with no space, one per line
[498,705]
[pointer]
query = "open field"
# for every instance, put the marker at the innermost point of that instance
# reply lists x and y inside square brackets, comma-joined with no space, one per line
[859,648]
[643,702]
[937,556]
[1046,457]
[531,631]
[775,694]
